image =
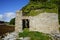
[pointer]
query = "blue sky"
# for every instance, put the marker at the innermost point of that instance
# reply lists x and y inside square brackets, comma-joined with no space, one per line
[8,8]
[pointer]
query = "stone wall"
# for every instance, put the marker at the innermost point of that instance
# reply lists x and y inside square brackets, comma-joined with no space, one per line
[18,21]
[44,22]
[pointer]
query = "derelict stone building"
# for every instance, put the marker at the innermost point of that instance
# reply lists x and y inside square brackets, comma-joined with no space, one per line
[44,22]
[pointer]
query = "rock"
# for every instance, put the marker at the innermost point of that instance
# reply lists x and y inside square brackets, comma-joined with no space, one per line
[26,38]
[11,36]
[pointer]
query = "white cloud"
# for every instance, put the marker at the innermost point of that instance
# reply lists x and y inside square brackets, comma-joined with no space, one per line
[9,15]
[1,17]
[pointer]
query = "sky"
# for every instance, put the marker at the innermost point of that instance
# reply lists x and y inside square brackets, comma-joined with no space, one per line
[8,8]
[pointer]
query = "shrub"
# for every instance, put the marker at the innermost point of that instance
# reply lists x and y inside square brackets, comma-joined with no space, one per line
[39,5]
[34,35]
[12,21]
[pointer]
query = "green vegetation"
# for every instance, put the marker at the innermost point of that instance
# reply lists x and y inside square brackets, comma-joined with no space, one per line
[36,12]
[52,10]
[34,35]
[33,13]
[7,22]
[57,2]
[12,21]
[48,6]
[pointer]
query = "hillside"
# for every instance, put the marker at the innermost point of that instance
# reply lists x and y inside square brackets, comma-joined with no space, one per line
[42,6]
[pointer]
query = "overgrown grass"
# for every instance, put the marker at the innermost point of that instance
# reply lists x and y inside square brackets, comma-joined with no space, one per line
[47,6]
[34,13]
[34,35]
[38,11]
[55,10]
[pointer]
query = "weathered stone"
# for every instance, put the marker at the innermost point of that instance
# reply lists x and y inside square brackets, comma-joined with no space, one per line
[44,22]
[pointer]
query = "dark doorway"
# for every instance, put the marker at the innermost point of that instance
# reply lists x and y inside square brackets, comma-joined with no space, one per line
[25,23]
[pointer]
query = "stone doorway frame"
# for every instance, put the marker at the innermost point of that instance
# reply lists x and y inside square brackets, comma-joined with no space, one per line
[25,23]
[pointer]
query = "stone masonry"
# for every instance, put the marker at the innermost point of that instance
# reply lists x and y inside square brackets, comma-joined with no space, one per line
[44,22]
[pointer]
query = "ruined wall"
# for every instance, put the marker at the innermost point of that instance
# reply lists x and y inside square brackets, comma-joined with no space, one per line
[18,21]
[44,22]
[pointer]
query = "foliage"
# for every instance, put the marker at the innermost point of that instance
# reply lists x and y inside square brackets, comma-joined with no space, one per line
[59,29]
[55,10]
[51,6]
[57,2]
[12,21]
[34,35]
[25,33]
[7,23]
[59,14]
[39,4]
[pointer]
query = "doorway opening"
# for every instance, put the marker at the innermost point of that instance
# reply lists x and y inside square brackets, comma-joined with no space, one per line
[25,23]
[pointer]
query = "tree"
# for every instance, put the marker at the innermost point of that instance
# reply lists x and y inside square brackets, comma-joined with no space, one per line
[12,21]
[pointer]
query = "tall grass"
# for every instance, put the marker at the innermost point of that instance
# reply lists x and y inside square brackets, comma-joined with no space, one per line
[34,35]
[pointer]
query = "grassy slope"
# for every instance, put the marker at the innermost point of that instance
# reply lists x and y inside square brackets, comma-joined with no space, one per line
[34,35]
[48,7]
[59,29]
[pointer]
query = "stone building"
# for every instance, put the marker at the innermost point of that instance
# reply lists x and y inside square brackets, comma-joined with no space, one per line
[44,22]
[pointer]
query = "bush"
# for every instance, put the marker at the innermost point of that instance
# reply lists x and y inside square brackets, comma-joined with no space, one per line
[40,4]
[12,21]
[34,35]
[25,33]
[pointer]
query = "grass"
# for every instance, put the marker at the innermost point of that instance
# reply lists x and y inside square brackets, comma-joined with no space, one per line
[34,35]
[55,10]
[59,29]
[30,8]
[34,12]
